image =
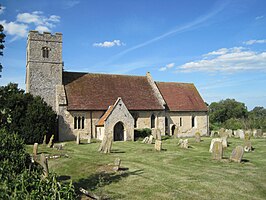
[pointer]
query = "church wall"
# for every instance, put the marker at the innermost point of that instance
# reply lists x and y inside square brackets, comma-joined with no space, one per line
[185,129]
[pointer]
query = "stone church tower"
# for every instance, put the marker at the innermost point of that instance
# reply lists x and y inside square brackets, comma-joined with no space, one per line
[44,65]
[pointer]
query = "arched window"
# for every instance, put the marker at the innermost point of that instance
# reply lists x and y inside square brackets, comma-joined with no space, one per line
[75,122]
[152,121]
[78,122]
[193,121]
[180,122]
[82,122]
[45,52]
[135,122]
[166,125]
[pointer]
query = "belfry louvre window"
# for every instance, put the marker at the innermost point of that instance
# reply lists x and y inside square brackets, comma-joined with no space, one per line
[79,122]
[45,52]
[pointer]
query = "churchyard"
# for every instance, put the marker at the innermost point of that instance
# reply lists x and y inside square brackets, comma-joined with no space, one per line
[172,173]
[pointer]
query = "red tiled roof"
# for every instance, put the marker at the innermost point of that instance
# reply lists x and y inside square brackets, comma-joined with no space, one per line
[181,96]
[86,91]
[104,117]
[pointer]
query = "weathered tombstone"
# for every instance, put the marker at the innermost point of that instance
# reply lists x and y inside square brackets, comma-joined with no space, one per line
[106,144]
[50,144]
[213,141]
[229,132]
[89,139]
[247,146]
[58,146]
[241,134]
[117,164]
[259,132]
[212,133]
[235,133]
[217,151]
[183,143]
[145,140]
[158,135]
[176,132]
[224,141]
[237,154]
[158,145]
[222,132]
[197,137]
[247,135]
[44,140]
[150,139]
[44,164]
[78,138]
[35,150]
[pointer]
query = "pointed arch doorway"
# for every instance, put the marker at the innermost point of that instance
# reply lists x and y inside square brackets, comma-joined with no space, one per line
[173,129]
[119,132]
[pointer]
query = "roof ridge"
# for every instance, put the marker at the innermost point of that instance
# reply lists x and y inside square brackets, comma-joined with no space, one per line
[105,74]
[174,82]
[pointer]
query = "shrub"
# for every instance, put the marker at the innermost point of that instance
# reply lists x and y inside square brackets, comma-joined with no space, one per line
[141,133]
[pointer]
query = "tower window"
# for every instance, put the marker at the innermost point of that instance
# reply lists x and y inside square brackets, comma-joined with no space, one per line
[45,52]
[193,121]
[180,121]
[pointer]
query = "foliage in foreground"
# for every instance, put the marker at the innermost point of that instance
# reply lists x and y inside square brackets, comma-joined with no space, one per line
[21,179]
[30,117]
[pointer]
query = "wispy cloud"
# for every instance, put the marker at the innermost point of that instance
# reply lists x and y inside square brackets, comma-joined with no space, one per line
[70,3]
[259,17]
[2,9]
[189,26]
[24,21]
[251,42]
[231,60]
[108,44]
[168,66]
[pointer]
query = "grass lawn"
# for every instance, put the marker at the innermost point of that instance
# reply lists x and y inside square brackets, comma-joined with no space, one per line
[173,173]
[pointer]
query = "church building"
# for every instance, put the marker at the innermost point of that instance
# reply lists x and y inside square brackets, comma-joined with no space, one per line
[96,104]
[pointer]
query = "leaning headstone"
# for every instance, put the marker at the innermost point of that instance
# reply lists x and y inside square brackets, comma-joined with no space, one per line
[150,139]
[145,140]
[78,139]
[44,140]
[50,144]
[117,164]
[197,137]
[158,145]
[44,164]
[217,151]
[35,150]
[106,144]
[247,146]
[237,154]
[213,141]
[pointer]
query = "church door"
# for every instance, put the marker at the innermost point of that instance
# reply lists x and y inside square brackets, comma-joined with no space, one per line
[119,132]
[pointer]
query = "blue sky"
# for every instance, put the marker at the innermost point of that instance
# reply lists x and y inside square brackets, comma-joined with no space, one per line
[220,46]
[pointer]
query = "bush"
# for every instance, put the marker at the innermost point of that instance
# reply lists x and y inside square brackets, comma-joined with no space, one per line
[234,124]
[141,133]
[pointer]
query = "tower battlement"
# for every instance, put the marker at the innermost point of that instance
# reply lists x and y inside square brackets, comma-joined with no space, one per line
[45,36]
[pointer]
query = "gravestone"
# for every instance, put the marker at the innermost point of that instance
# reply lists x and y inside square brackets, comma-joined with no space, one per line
[44,164]
[197,137]
[259,132]
[183,143]
[145,140]
[213,141]
[237,154]
[222,132]
[229,132]
[224,141]
[106,144]
[217,151]
[212,133]
[158,145]
[50,144]
[150,139]
[44,140]
[156,133]
[78,138]
[35,150]
[58,146]
[117,164]
[247,146]
[241,134]
[89,139]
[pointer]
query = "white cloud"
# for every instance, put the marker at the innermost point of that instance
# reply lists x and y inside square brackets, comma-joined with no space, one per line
[70,3]
[251,42]
[235,59]
[168,66]
[108,44]
[15,29]
[35,20]
[2,9]
[259,17]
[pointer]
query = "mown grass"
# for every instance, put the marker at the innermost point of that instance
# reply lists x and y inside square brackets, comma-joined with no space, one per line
[173,173]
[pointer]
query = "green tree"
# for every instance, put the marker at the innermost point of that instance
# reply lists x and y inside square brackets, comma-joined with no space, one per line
[220,112]
[26,115]
[2,40]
